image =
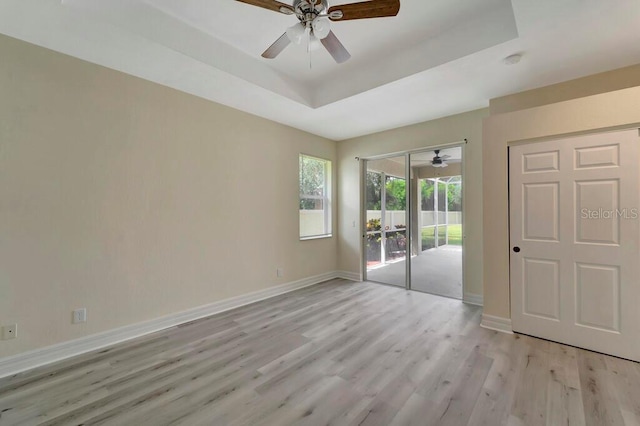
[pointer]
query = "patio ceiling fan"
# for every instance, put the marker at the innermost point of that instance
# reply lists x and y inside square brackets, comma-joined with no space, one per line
[439,161]
[314,26]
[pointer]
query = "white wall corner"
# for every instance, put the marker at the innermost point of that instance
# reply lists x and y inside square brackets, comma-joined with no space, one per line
[58,352]
[496,323]
[352,276]
[472,299]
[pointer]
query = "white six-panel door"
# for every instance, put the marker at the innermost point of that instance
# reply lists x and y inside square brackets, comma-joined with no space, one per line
[574,218]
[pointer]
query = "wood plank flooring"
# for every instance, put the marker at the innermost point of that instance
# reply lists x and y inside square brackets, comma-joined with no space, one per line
[339,353]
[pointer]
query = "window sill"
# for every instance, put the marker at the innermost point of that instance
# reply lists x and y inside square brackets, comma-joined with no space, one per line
[316,237]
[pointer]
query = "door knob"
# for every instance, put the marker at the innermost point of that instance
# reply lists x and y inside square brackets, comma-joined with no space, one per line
[516,249]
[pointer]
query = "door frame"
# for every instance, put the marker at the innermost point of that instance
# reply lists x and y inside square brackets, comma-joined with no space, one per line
[528,141]
[408,212]
[363,212]
[531,141]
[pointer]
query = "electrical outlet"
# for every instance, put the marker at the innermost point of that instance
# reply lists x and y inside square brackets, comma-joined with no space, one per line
[280,272]
[79,315]
[9,331]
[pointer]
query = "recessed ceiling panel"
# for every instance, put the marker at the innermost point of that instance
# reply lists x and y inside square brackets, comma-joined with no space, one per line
[232,35]
[252,29]
[436,58]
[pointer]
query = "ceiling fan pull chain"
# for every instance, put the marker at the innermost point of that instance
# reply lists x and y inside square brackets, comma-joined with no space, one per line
[309,50]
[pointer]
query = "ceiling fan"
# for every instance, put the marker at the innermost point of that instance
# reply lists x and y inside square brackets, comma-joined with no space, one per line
[439,161]
[315,18]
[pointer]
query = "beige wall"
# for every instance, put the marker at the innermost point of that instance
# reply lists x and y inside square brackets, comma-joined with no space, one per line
[135,201]
[445,130]
[604,82]
[618,109]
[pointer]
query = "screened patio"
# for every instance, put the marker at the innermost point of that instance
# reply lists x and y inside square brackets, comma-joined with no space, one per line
[436,215]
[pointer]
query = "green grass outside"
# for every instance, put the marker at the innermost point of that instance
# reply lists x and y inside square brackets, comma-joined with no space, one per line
[455,236]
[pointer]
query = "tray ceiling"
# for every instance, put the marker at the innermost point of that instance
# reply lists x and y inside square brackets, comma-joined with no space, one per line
[436,58]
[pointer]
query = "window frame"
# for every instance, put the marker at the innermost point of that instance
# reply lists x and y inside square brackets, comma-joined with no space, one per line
[326,198]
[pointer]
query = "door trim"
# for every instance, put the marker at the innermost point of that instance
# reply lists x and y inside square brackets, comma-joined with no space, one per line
[518,142]
[469,298]
[583,140]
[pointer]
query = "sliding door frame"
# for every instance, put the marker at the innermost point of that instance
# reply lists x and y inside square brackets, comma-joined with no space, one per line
[363,213]
[408,210]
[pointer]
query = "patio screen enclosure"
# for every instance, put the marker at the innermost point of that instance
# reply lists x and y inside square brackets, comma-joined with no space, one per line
[414,215]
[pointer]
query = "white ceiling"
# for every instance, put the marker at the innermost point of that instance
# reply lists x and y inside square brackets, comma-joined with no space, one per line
[436,58]
[423,158]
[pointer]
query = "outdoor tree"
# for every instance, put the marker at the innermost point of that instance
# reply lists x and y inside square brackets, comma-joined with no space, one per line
[426,188]
[312,181]
[454,195]
[396,193]
[373,189]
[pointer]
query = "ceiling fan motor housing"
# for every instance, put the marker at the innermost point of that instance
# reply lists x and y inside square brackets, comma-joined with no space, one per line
[307,10]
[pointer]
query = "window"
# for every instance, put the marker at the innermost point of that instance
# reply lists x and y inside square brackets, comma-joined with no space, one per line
[315,197]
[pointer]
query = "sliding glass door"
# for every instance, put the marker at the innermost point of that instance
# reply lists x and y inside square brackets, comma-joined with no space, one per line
[436,261]
[386,220]
[413,210]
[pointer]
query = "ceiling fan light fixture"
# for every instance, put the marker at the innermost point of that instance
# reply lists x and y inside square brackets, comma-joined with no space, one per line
[321,27]
[314,43]
[315,17]
[296,33]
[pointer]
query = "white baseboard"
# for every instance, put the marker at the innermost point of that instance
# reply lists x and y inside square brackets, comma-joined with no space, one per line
[496,323]
[352,276]
[38,357]
[472,299]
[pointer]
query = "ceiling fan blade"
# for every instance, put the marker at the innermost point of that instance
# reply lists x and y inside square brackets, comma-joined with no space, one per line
[335,48]
[366,9]
[444,157]
[277,47]
[274,5]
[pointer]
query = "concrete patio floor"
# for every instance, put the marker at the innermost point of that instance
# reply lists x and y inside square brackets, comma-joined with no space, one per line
[436,271]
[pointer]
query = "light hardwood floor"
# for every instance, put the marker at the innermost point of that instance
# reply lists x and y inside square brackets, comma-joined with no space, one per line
[338,353]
